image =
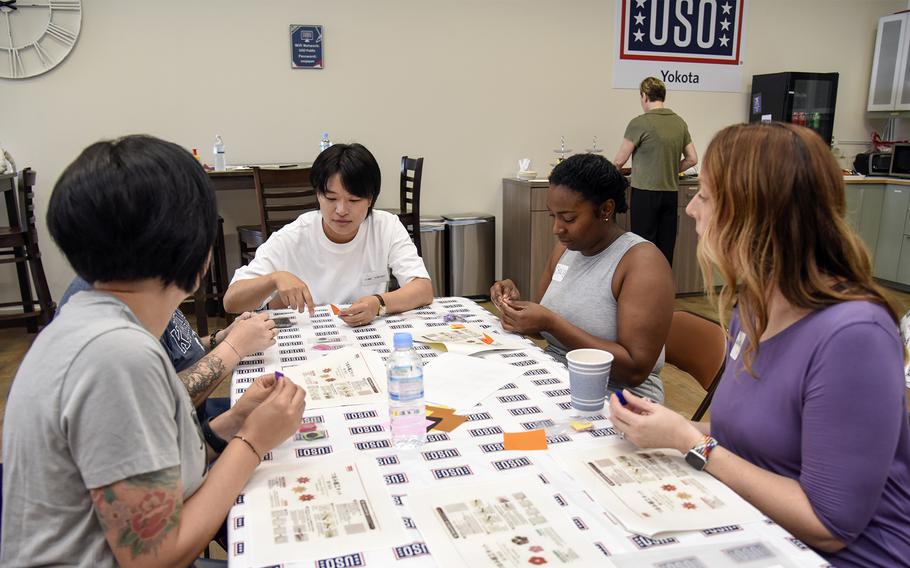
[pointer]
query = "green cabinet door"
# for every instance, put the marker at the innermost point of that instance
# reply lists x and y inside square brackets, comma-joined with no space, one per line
[891,232]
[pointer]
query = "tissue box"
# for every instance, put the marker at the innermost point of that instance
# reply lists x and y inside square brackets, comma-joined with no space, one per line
[527,174]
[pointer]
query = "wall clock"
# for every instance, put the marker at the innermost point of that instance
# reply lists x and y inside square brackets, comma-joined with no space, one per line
[36,35]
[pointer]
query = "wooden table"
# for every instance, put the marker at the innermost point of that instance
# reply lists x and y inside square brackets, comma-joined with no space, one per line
[243,178]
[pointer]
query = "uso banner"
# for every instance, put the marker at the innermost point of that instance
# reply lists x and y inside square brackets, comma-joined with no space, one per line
[692,45]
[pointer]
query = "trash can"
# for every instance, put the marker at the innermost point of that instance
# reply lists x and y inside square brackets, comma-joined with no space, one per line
[432,247]
[470,254]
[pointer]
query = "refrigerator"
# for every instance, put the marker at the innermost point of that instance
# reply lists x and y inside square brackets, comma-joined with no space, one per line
[806,99]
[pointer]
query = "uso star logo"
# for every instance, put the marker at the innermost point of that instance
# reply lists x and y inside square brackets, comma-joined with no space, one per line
[688,31]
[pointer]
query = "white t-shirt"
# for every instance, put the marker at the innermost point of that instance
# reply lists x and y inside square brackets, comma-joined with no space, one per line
[339,273]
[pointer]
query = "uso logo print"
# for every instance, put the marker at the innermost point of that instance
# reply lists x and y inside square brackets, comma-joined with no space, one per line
[503,465]
[395,478]
[387,460]
[360,415]
[411,550]
[370,429]
[440,454]
[345,561]
[485,431]
[643,542]
[687,31]
[497,447]
[373,445]
[450,472]
[310,452]
[524,411]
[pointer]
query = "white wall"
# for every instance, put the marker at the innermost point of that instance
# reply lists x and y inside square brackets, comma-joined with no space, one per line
[471,85]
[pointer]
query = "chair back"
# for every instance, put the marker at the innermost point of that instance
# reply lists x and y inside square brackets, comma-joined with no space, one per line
[283,194]
[697,346]
[411,176]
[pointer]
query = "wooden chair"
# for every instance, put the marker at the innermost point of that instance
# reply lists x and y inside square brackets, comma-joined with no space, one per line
[209,297]
[409,213]
[19,245]
[282,194]
[697,346]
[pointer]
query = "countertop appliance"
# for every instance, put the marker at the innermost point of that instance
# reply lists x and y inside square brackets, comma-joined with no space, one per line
[873,163]
[900,161]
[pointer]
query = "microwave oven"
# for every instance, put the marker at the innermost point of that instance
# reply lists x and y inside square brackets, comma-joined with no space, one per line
[900,161]
[873,163]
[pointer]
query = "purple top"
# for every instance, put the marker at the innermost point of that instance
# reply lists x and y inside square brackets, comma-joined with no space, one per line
[828,408]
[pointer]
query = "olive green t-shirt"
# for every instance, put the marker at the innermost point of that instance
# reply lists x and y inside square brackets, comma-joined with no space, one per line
[659,136]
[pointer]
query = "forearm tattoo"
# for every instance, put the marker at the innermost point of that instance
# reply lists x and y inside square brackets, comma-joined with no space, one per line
[140,510]
[202,376]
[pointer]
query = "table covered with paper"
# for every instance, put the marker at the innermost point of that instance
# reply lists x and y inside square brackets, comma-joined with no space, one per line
[501,481]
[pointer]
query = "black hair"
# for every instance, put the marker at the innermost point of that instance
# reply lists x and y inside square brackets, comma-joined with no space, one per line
[594,177]
[135,208]
[358,168]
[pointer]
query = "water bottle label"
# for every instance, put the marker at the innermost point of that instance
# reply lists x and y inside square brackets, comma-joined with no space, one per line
[405,390]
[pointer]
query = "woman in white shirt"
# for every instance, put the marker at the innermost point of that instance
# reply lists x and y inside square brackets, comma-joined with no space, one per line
[339,254]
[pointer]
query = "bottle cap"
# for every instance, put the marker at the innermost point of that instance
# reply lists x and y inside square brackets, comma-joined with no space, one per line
[403,340]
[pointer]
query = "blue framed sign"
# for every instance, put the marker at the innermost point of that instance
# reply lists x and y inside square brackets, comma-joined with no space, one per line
[306,47]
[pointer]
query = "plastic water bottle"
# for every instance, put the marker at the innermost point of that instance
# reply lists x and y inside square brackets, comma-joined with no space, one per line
[325,142]
[219,154]
[407,415]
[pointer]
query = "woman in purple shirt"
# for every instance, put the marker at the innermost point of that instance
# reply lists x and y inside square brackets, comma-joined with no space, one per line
[809,422]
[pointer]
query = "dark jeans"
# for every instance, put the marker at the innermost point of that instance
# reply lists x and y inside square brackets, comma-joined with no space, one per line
[654,217]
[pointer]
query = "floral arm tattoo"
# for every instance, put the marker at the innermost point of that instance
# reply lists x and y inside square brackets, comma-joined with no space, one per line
[139,512]
[202,377]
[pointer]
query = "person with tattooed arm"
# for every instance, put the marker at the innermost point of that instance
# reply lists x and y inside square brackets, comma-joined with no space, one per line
[202,372]
[104,461]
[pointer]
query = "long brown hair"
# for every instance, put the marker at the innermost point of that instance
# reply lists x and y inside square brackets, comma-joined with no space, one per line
[778,220]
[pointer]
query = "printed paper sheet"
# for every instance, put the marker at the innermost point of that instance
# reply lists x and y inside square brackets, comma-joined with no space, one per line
[506,524]
[343,377]
[655,491]
[464,339]
[316,509]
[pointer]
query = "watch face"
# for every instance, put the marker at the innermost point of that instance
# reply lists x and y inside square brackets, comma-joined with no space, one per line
[696,460]
[36,36]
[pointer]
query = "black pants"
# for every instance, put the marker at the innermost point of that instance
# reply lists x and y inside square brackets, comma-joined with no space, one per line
[654,217]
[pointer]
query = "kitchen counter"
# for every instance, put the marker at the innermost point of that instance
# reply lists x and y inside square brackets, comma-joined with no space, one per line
[878,180]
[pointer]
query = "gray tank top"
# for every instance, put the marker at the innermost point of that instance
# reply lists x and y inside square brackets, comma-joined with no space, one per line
[581,292]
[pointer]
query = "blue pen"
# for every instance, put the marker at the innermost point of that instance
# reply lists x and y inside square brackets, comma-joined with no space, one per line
[621,398]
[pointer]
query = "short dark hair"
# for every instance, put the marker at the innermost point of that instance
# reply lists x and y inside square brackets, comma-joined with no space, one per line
[594,177]
[654,89]
[135,208]
[359,171]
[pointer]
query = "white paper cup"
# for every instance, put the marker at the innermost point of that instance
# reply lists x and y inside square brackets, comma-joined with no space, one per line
[589,373]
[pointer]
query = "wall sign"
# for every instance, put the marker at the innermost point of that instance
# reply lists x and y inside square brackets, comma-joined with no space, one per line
[306,47]
[692,45]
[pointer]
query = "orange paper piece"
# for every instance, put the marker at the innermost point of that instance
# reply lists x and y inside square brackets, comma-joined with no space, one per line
[335,309]
[487,339]
[531,440]
[450,422]
[434,410]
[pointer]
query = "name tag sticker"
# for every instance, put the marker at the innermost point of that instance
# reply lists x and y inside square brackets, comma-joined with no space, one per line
[373,278]
[560,272]
[737,345]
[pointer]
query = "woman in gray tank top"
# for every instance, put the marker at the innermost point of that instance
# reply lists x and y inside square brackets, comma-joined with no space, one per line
[602,287]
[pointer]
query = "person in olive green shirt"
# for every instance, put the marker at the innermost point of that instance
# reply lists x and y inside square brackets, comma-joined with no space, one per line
[660,146]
